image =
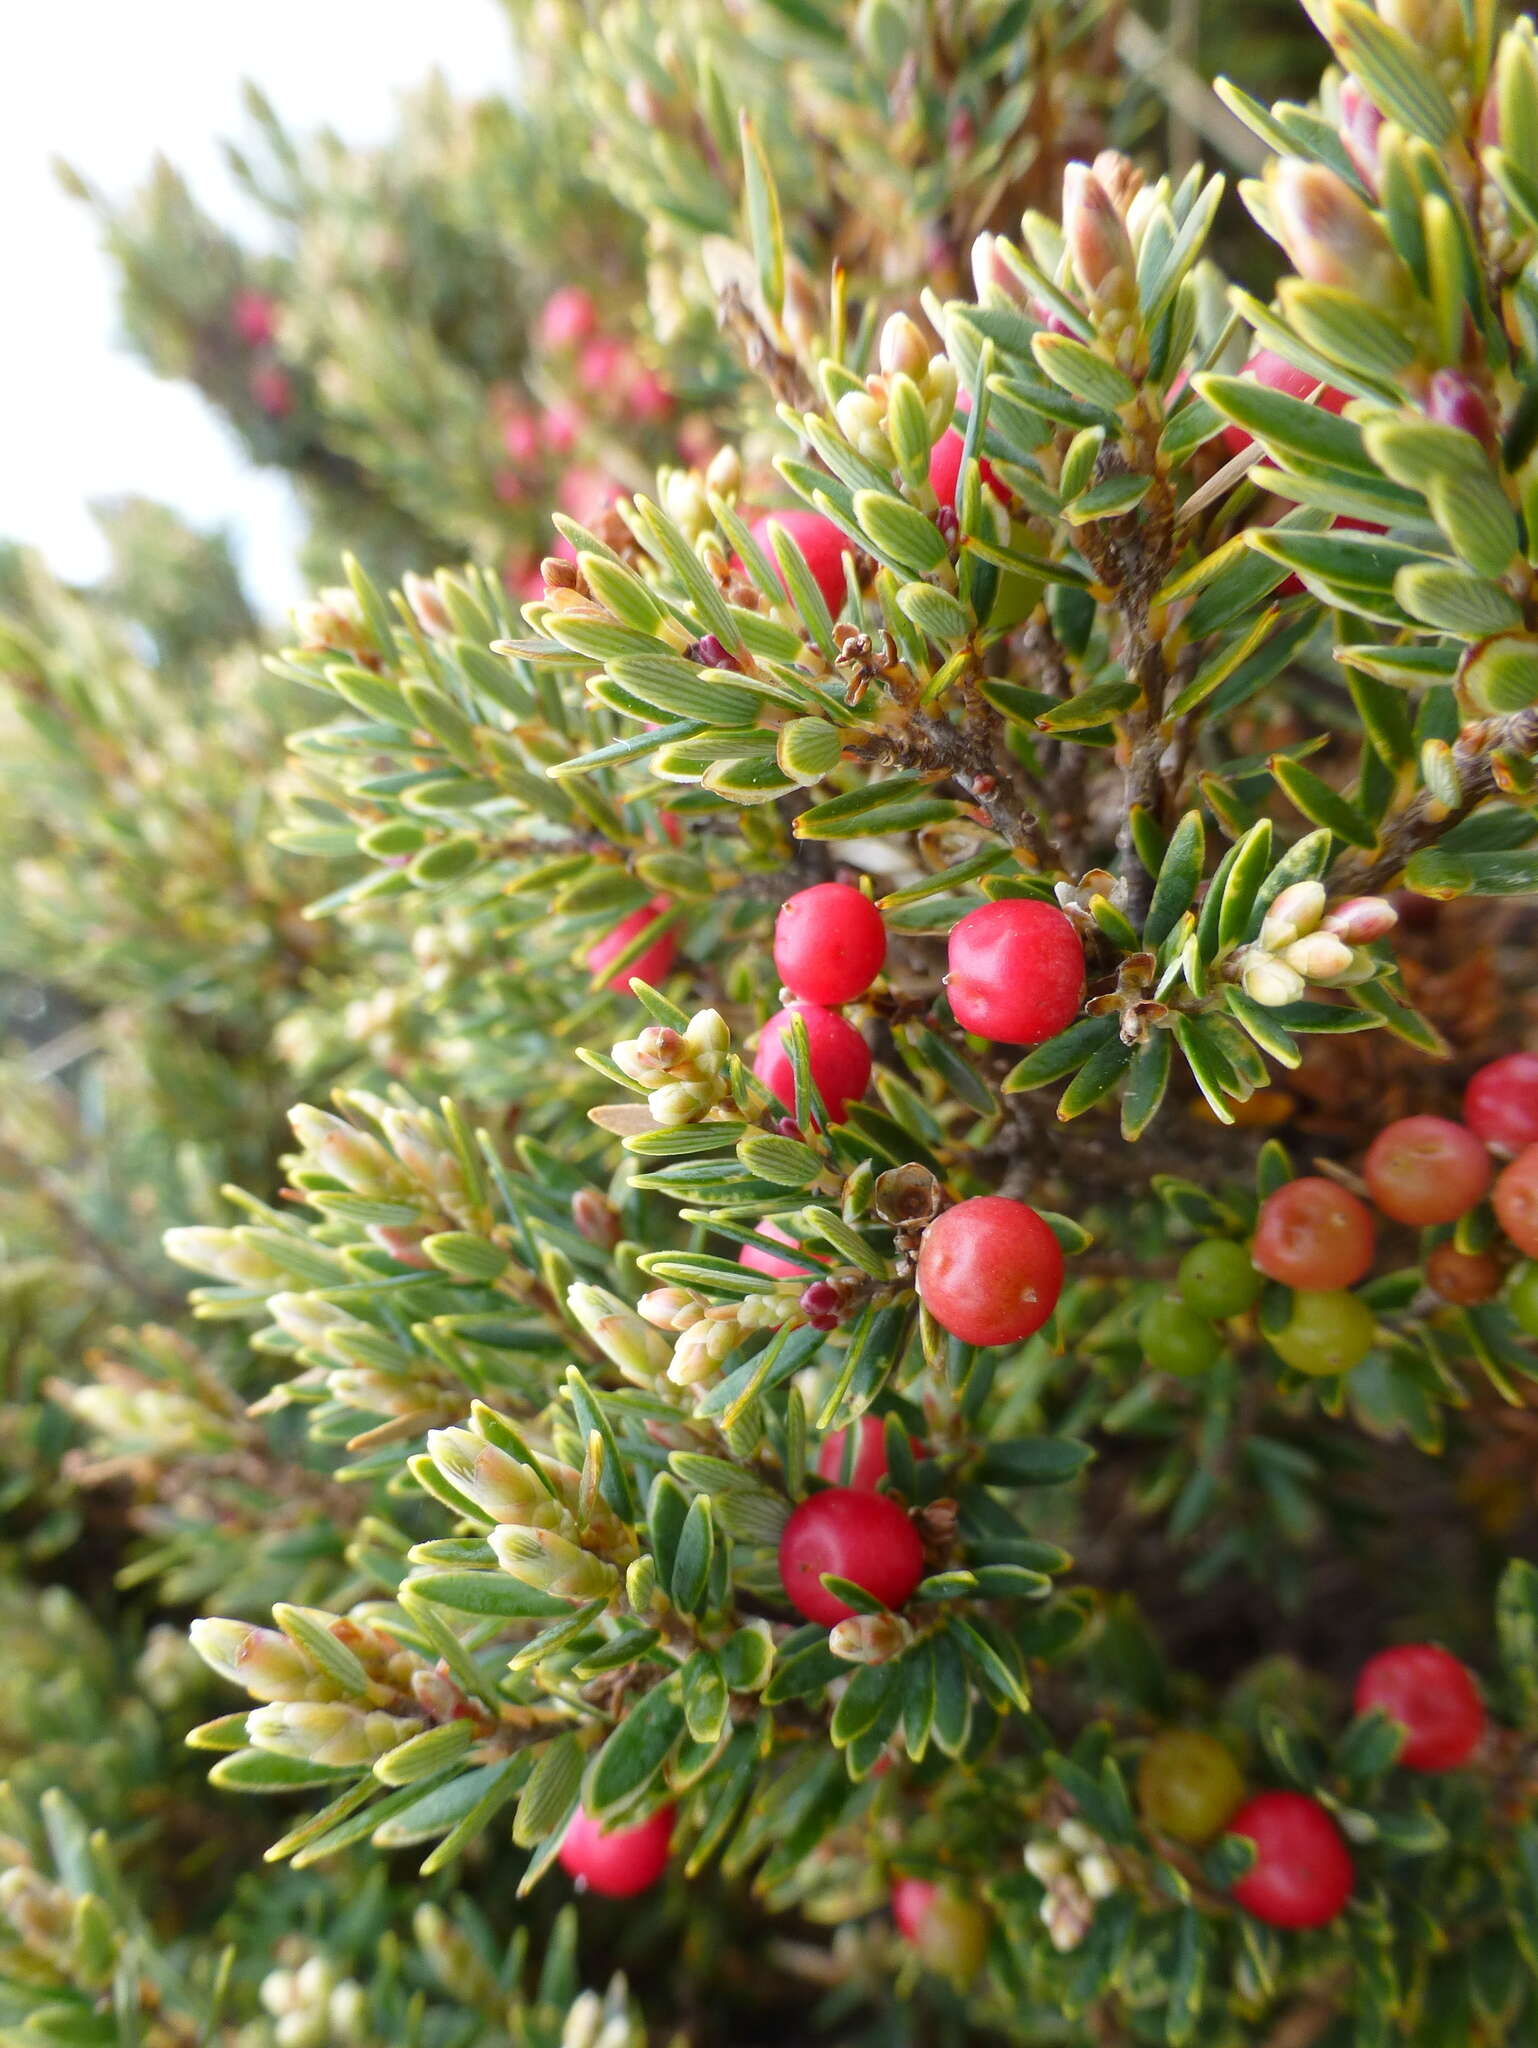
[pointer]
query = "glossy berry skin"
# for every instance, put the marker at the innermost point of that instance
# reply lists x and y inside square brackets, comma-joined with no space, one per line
[1327,1334]
[863,1537]
[1432,1697]
[945,469]
[1516,1201]
[1500,1104]
[1176,1339]
[823,544]
[950,1933]
[990,1271]
[1523,1300]
[829,943]
[1302,1873]
[838,1055]
[1465,1278]
[651,963]
[870,1466]
[1277,374]
[1426,1169]
[757,1261]
[622,1862]
[1314,1234]
[1016,971]
[1188,1785]
[1217,1278]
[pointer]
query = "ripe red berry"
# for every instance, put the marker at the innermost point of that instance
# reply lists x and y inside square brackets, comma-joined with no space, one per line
[567,317]
[911,1900]
[1315,1235]
[823,544]
[1500,1104]
[272,389]
[254,316]
[757,1261]
[651,963]
[863,1537]
[839,1057]
[950,1933]
[1426,1169]
[945,469]
[990,1271]
[1016,971]
[829,943]
[870,1465]
[1277,374]
[1302,1873]
[1463,1278]
[1516,1201]
[623,1861]
[1433,1698]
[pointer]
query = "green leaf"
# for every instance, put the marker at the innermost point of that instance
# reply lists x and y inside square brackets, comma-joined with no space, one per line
[764,226]
[695,1554]
[488,1593]
[1516,1617]
[550,1794]
[1179,874]
[1033,1461]
[259,1770]
[1147,1079]
[1433,872]
[1061,1055]
[1455,602]
[635,1752]
[1320,804]
[900,532]
[1394,70]
[1082,372]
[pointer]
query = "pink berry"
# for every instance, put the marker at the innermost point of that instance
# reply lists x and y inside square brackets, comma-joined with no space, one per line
[1016,971]
[567,317]
[758,1261]
[822,543]
[1516,1201]
[651,963]
[622,1861]
[560,427]
[870,1465]
[604,365]
[829,943]
[945,469]
[254,316]
[1315,1235]
[1277,374]
[648,398]
[990,1270]
[911,1900]
[1302,1874]
[520,437]
[1433,1698]
[863,1537]
[1500,1104]
[838,1056]
[1426,1169]
[272,390]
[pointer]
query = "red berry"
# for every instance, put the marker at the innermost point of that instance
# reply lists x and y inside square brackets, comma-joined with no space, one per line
[823,544]
[1302,1872]
[1016,971]
[829,943]
[863,1537]
[1463,1277]
[567,317]
[1426,1169]
[911,1900]
[272,390]
[1277,374]
[1454,400]
[622,1861]
[604,365]
[1500,1103]
[1433,1698]
[990,1271]
[254,316]
[949,1932]
[839,1057]
[1516,1201]
[1315,1235]
[651,963]
[870,1466]
[766,1262]
[945,469]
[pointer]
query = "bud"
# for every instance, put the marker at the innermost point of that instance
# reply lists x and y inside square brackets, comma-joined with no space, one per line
[903,349]
[552,1564]
[1361,919]
[1270,982]
[595,1218]
[1098,1875]
[1320,957]
[707,1035]
[504,1488]
[222,1254]
[1068,1916]
[1295,911]
[308,1319]
[1046,1860]
[42,1914]
[640,1351]
[1454,400]
[260,1660]
[358,1161]
[1078,1839]
[684,500]
[427,606]
[328,1731]
[870,1638]
[1360,122]
[670,1308]
[583,2022]
[1096,238]
[1332,236]
[723,474]
[860,420]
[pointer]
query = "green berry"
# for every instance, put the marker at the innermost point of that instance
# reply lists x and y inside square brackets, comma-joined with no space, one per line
[1217,1279]
[1327,1334]
[1523,1299]
[1176,1339]
[1188,1785]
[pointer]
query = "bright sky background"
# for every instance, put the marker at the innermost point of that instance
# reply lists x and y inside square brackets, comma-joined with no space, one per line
[106,84]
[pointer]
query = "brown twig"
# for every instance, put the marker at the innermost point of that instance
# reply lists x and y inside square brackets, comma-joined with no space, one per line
[1425,820]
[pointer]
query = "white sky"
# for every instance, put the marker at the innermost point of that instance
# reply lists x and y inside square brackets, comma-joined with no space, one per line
[106,84]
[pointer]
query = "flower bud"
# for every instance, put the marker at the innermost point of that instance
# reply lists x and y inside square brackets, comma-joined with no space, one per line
[223,1254]
[1068,1916]
[552,1564]
[504,1488]
[308,1319]
[427,606]
[328,1731]
[707,1033]
[359,1161]
[1076,1837]
[639,1350]
[1454,400]
[1296,910]
[860,419]
[1361,919]
[1319,957]
[1270,982]
[903,348]
[1332,236]
[1096,238]
[260,1660]
[670,1308]
[1360,122]
[683,1102]
[1045,1860]
[870,1638]
[1098,1875]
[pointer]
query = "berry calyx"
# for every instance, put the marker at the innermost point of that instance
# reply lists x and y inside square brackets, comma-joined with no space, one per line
[829,943]
[1218,1278]
[1302,1873]
[945,469]
[651,964]
[1433,1698]
[1176,1339]
[990,1270]
[1516,1201]
[1277,374]
[1426,1169]
[823,544]
[1500,1104]
[1188,1785]
[949,1933]
[1464,1278]
[1016,971]
[758,1261]
[863,1537]
[838,1056]
[1326,1335]
[622,1861]
[1314,1234]
[869,1467]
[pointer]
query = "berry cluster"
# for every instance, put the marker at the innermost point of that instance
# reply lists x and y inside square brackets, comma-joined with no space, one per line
[829,946]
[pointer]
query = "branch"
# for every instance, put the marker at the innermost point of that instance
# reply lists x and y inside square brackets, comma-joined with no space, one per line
[1424,821]
[934,744]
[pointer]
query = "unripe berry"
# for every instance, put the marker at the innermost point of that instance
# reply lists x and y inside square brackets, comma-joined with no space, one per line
[1277,374]
[651,963]
[623,1861]
[829,943]
[823,544]
[945,469]
[1187,1785]
[1327,1334]
[1314,1234]
[949,1933]
[863,1537]
[1516,1202]
[758,1261]
[1176,1339]
[1432,1697]
[1302,1873]
[1218,1278]
[838,1056]
[869,1467]
[1500,1104]
[1426,1169]
[990,1270]
[1016,971]
[1464,1278]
